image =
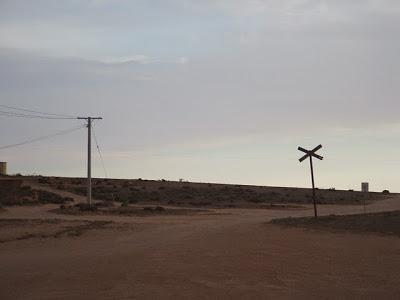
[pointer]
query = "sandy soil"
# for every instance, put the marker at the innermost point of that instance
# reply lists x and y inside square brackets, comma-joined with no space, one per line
[232,253]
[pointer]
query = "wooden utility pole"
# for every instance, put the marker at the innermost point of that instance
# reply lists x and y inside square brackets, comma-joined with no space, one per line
[310,154]
[89,157]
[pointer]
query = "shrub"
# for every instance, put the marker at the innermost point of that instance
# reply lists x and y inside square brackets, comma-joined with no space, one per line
[105,204]
[159,208]
[125,184]
[48,197]
[44,180]
[154,209]
[80,190]
[256,200]
[86,207]
[385,192]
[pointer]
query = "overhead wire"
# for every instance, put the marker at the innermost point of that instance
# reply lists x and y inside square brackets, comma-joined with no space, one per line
[63,132]
[35,111]
[99,152]
[31,116]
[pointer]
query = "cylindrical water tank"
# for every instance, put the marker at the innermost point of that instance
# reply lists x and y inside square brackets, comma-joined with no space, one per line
[3,168]
[365,187]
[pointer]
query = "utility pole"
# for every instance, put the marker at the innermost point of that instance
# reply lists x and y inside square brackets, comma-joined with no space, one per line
[89,156]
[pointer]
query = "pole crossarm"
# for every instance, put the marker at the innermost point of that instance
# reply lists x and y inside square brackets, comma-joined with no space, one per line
[86,118]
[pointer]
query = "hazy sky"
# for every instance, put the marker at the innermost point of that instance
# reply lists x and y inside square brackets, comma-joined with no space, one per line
[210,90]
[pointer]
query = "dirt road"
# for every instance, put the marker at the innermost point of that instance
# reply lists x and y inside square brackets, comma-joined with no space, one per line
[231,254]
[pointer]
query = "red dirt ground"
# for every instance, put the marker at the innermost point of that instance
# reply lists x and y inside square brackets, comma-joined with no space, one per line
[230,254]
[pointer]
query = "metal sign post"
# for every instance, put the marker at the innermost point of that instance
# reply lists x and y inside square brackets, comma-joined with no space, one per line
[310,154]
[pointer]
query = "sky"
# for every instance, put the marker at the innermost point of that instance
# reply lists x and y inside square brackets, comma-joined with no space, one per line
[207,91]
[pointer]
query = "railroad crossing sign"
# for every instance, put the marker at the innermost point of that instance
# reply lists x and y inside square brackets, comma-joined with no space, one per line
[310,154]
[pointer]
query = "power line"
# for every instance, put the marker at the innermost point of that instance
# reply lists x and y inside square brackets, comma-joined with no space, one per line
[35,111]
[17,112]
[100,155]
[42,138]
[30,116]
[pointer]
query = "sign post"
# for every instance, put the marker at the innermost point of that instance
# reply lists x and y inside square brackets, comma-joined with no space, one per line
[310,154]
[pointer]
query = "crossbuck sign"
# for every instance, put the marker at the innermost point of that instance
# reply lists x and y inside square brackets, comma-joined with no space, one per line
[310,154]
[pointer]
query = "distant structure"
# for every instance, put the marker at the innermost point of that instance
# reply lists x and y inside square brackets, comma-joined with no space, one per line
[3,168]
[365,187]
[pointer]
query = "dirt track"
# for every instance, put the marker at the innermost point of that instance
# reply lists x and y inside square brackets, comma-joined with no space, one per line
[233,254]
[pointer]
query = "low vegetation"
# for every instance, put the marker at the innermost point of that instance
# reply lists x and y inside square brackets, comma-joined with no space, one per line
[80,209]
[23,229]
[24,195]
[382,223]
[203,194]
